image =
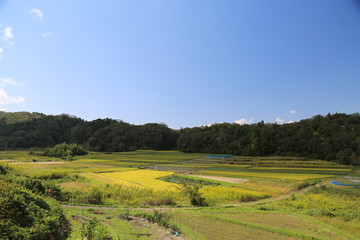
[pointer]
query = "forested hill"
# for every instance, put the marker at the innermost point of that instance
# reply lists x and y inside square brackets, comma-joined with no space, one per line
[333,137]
[26,130]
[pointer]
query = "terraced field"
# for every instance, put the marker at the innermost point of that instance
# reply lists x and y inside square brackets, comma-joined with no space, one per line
[140,179]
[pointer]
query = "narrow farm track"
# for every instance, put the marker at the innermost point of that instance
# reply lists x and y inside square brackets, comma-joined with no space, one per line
[268,200]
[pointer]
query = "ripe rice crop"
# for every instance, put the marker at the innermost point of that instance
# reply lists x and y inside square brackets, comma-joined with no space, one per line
[98,177]
[102,170]
[36,171]
[139,178]
[230,194]
[291,176]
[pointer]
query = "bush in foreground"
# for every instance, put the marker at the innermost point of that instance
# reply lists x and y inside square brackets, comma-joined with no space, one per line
[25,215]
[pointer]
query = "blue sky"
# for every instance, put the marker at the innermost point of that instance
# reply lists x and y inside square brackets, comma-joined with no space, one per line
[181,62]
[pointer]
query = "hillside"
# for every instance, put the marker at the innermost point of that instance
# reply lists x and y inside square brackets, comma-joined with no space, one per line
[334,137]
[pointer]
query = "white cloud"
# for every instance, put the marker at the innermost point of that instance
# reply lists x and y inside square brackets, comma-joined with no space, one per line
[291,121]
[38,13]
[4,81]
[46,35]
[241,121]
[293,111]
[279,120]
[5,99]
[244,121]
[209,125]
[3,110]
[1,52]
[7,34]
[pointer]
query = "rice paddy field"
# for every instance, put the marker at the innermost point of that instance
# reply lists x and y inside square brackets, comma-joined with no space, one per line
[247,197]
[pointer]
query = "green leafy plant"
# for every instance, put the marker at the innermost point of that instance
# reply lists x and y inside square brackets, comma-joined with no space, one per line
[65,151]
[192,192]
[94,230]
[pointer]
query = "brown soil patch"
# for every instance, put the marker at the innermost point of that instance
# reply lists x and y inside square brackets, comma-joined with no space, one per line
[223,179]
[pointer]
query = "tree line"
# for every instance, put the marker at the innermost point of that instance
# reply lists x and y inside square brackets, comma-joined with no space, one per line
[334,137]
[107,135]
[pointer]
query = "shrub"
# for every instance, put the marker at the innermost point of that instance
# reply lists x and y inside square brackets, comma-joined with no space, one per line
[3,170]
[25,215]
[94,230]
[93,196]
[65,151]
[194,195]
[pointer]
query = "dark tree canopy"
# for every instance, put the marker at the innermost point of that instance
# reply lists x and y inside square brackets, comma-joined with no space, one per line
[26,130]
[335,137]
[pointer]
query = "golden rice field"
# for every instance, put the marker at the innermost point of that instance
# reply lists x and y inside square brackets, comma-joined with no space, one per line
[231,194]
[103,170]
[290,176]
[137,178]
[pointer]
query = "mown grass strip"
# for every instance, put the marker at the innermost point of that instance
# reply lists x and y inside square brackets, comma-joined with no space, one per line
[281,231]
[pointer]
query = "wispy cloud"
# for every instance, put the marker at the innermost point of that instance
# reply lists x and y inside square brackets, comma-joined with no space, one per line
[292,111]
[243,121]
[5,81]
[1,52]
[7,34]
[38,13]
[279,120]
[5,99]
[46,35]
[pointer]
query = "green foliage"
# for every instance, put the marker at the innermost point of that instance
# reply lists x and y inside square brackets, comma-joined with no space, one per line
[94,230]
[124,213]
[32,151]
[26,130]
[191,191]
[66,151]
[24,215]
[93,196]
[3,170]
[333,137]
